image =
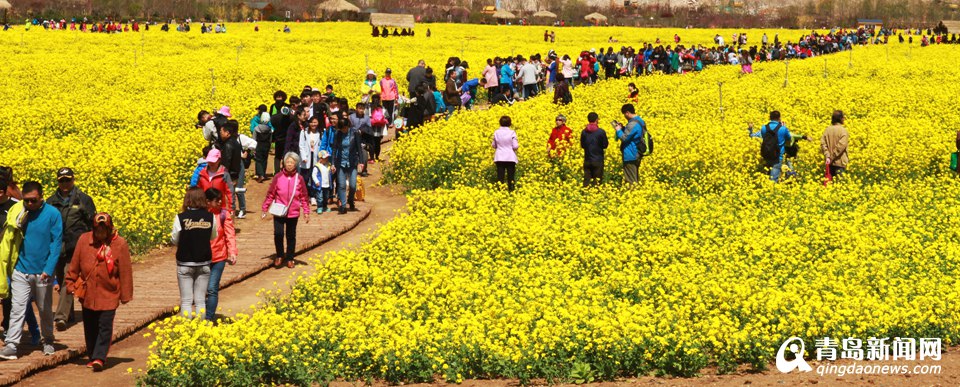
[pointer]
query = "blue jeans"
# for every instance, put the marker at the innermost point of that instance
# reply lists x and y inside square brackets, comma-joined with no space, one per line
[342,175]
[775,171]
[450,110]
[213,288]
[322,195]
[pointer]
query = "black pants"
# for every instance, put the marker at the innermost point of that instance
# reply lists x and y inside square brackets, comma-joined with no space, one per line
[279,223]
[491,92]
[278,156]
[261,156]
[375,146]
[592,173]
[506,173]
[98,332]
[388,107]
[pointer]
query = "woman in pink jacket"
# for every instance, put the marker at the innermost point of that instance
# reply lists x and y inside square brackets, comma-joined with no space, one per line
[286,200]
[505,144]
[491,76]
[388,93]
[224,249]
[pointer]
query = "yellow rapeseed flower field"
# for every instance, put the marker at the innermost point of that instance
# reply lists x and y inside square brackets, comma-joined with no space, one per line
[705,262]
[119,109]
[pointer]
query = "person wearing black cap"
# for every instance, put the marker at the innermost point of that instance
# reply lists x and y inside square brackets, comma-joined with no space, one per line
[77,210]
[388,93]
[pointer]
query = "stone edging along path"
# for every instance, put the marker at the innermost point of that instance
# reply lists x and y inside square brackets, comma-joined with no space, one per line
[156,292]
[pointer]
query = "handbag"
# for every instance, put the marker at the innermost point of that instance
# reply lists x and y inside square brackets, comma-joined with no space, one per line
[280,210]
[80,286]
[954,160]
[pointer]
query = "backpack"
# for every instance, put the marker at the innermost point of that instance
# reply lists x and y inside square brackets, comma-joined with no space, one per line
[770,147]
[377,118]
[645,146]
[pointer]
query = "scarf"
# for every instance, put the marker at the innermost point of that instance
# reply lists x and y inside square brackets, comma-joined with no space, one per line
[105,253]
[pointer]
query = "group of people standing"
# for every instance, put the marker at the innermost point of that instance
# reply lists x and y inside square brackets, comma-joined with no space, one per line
[635,143]
[59,245]
[778,148]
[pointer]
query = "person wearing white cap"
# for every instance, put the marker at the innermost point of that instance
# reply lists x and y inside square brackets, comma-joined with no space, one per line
[369,87]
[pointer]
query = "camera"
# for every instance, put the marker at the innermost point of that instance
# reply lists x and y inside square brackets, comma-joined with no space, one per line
[616,124]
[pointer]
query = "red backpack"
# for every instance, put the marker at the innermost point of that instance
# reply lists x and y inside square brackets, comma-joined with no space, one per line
[377,118]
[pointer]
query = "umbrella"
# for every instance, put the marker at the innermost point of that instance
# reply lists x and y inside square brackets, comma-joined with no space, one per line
[546,14]
[501,14]
[337,6]
[4,4]
[595,17]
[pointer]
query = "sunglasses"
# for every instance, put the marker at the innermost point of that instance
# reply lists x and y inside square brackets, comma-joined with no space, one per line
[31,200]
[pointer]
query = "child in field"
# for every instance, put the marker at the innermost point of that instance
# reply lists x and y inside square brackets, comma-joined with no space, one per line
[320,178]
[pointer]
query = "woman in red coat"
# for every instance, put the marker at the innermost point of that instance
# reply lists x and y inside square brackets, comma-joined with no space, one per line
[101,276]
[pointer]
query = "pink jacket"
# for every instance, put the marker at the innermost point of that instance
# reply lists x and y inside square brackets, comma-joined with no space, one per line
[490,74]
[226,243]
[281,187]
[506,145]
[388,89]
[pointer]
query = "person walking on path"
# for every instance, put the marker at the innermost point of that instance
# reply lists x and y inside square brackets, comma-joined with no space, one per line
[262,133]
[76,211]
[248,147]
[10,196]
[345,151]
[834,144]
[594,142]
[231,153]
[310,147]
[193,230]
[775,136]
[505,145]
[287,201]
[101,276]
[631,143]
[215,176]
[322,181]
[223,250]
[32,277]
[389,93]
[281,116]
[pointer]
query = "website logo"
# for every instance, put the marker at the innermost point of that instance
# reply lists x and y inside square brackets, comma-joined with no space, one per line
[785,365]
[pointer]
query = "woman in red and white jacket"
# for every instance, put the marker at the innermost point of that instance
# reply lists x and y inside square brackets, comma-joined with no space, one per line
[224,248]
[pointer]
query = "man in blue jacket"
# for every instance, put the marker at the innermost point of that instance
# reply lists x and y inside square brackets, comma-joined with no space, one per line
[630,138]
[783,137]
[33,274]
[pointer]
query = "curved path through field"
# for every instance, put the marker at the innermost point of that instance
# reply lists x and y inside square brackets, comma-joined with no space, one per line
[156,293]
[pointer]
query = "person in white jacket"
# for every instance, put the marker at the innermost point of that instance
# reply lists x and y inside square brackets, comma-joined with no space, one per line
[528,76]
[309,149]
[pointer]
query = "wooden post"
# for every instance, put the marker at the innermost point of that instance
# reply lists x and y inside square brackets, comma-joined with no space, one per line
[720,89]
[213,86]
[786,72]
[824,67]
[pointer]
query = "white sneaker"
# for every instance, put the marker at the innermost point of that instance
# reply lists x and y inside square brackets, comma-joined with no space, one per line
[241,215]
[313,201]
